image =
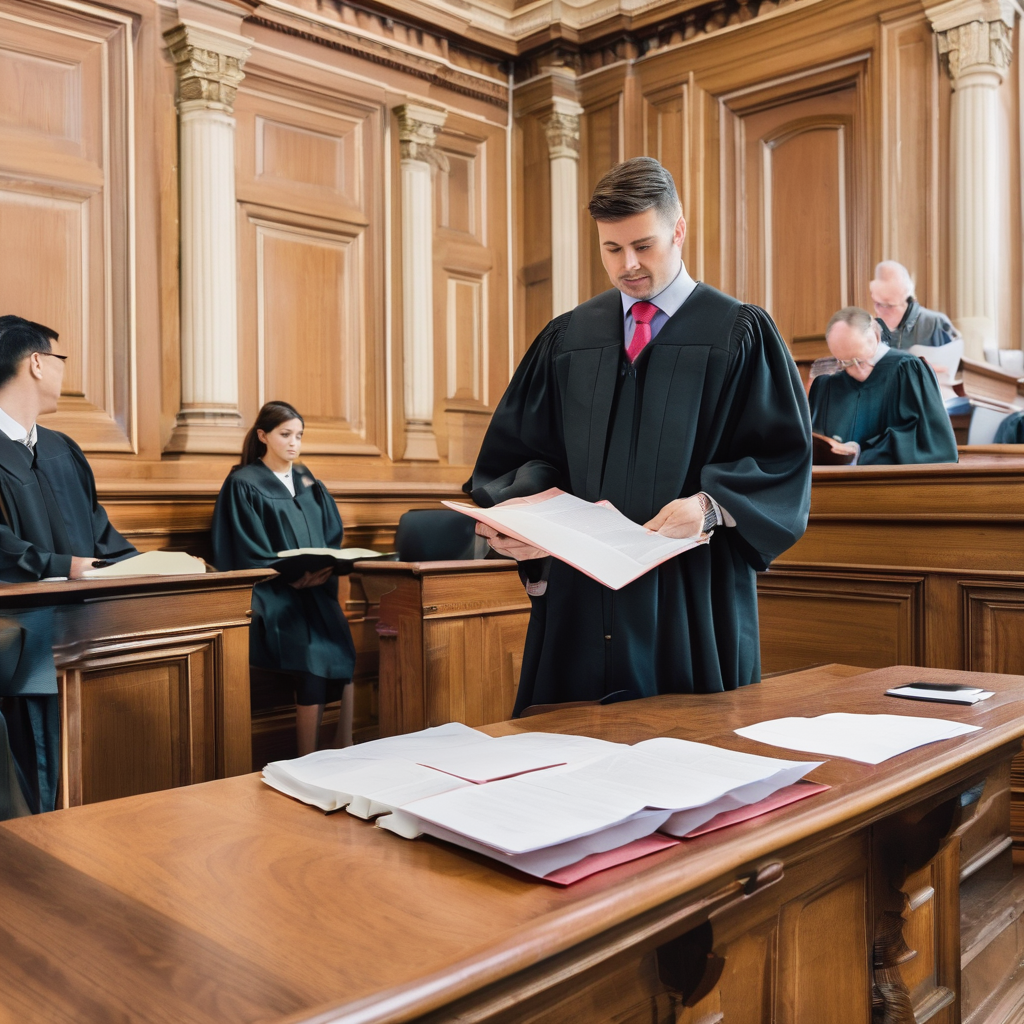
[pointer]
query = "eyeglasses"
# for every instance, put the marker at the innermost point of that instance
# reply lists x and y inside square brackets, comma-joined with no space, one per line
[889,305]
[56,355]
[842,364]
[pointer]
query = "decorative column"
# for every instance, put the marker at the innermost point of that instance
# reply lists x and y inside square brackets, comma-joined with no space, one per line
[975,43]
[209,70]
[418,127]
[562,128]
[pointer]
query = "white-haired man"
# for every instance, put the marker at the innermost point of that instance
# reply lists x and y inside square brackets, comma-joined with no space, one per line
[902,319]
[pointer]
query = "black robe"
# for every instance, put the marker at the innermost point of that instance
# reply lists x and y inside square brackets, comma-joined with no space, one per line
[49,513]
[255,517]
[896,416]
[714,403]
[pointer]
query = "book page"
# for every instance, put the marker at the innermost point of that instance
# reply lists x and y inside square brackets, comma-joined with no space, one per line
[345,554]
[943,359]
[596,539]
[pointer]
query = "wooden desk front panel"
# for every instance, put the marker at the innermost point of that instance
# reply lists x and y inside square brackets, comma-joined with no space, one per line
[153,679]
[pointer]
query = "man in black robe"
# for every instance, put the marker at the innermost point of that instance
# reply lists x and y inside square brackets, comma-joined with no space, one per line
[50,525]
[883,400]
[902,320]
[681,407]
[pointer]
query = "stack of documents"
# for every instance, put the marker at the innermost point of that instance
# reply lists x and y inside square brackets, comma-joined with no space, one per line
[537,802]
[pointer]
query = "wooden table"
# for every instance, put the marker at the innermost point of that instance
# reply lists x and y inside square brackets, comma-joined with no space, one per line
[230,902]
[153,673]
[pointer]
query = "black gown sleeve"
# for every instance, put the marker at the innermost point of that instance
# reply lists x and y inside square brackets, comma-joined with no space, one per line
[334,531]
[108,544]
[760,467]
[240,539]
[920,430]
[523,451]
[20,560]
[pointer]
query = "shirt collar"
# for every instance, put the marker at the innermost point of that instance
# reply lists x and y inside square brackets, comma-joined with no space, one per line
[670,298]
[880,352]
[15,431]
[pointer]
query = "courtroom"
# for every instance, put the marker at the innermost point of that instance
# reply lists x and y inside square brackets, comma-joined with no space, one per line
[511,511]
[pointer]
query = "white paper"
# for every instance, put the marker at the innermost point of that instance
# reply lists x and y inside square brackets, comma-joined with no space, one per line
[150,563]
[343,554]
[543,809]
[943,359]
[964,695]
[513,755]
[869,739]
[596,539]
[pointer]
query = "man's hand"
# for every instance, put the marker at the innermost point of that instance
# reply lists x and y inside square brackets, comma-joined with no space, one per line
[680,518]
[312,579]
[78,567]
[509,546]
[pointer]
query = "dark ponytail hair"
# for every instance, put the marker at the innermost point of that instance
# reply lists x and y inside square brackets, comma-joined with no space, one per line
[272,415]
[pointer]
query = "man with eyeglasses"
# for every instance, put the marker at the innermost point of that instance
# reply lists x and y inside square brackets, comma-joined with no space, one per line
[883,400]
[902,319]
[51,525]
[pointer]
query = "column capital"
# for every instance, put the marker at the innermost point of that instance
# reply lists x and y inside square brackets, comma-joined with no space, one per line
[208,64]
[418,128]
[975,36]
[562,128]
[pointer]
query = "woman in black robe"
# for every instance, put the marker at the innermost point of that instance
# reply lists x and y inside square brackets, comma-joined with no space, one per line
[272,503]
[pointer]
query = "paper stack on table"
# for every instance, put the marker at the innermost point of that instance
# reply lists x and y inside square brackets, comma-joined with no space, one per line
[596,539]
[534,801]
[869,739]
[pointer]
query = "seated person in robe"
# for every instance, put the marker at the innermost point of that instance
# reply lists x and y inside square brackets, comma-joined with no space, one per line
[270,503]
[902,320]
[682,407]
[1011,430]
[50,525]
[886,401]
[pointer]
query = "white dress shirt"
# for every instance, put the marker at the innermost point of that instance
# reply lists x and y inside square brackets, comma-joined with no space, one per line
[16,432]
[286,479]
[668,300]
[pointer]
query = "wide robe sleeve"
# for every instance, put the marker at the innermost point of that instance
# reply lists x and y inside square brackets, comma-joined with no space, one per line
[240,539]
[108,544]
[919,430]
[523,451]
[20,560]
[760,464]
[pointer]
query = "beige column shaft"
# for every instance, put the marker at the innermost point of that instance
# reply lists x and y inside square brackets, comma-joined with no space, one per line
[975,43]
[562,129]
[209,69]
[418,127]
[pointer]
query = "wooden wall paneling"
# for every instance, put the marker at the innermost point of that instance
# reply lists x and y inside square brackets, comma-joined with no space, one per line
[470,290]
[812,616]
[909,200]
[602,146]
[233,741]
[311,317]
[993,626]
[533,237]
[67,166]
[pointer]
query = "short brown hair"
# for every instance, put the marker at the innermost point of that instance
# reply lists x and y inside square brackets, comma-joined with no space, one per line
[632,187]
[859,319]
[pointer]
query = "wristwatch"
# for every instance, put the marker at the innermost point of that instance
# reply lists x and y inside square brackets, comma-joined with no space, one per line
[710,515]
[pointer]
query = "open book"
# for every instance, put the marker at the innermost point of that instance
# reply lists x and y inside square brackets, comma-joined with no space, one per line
[827,451]
[596,539]
[150,563]
[296,562]
[943,359]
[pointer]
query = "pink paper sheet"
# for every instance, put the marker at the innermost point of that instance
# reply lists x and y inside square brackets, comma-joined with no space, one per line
[782,798]
[610,859]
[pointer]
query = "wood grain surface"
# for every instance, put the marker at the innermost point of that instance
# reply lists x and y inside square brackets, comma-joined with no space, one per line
[228,901]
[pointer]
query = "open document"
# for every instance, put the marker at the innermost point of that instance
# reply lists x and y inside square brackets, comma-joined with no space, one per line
[150,563]
[537,802]
[943,359]
[596,539]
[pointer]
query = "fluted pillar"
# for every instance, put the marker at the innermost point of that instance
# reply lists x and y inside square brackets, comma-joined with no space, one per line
[975,43]
[418,127]
[562,129]
[209,70]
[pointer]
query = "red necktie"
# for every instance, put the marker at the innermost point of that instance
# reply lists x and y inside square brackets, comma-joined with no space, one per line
[642,314]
